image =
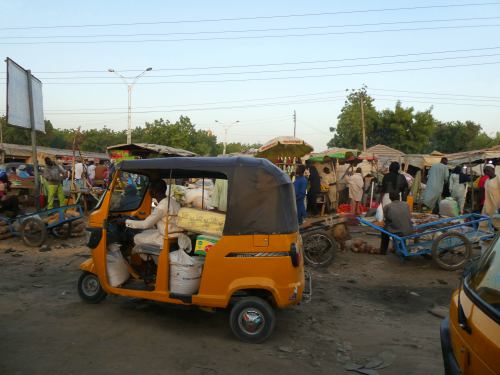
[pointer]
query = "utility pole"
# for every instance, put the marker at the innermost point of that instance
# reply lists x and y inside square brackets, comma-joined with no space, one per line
[363,121]
[294,123]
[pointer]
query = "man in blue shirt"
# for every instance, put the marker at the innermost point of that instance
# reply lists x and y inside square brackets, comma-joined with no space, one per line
[300,186]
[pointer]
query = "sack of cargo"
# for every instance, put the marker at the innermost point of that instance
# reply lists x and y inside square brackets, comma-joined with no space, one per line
[197,198]
[117,267]
[185,273]
[199,221]
[204,243]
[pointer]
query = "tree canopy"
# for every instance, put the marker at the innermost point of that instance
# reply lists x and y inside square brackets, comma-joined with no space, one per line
[180,134]
[404,128]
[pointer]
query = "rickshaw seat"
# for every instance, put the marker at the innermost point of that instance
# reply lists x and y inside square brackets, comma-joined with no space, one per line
[148,249]
[152,249]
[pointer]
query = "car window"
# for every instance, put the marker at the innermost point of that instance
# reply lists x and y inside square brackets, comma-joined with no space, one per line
[129,192]
[485,281]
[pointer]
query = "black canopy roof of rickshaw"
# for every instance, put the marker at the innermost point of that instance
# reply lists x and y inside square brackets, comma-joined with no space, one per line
[261,199]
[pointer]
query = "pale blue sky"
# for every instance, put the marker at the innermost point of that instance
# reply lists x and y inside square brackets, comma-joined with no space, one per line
[263,106]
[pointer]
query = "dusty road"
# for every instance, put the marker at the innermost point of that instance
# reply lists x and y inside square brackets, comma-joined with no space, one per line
[363,305]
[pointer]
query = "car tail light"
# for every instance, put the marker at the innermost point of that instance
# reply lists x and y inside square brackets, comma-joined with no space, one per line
[295,255]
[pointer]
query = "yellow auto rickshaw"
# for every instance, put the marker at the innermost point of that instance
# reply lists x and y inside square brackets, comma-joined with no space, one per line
[470,336]
[254,265]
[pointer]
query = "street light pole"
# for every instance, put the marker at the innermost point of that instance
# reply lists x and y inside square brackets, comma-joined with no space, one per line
[226,127]
[130,86]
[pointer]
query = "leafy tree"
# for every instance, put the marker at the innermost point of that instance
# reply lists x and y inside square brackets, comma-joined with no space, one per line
[99,139]
[459,136]
[13,134]
[181,134]
[348,132]
[403,129]
[237,147]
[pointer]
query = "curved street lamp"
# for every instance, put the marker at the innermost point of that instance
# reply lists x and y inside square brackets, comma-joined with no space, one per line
[130,82]
[226,128]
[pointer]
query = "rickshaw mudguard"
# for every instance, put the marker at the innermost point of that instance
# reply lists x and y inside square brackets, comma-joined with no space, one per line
[88,266]
[282,296]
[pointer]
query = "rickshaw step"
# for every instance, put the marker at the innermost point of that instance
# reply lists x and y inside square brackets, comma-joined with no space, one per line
[186,298]
[134,284]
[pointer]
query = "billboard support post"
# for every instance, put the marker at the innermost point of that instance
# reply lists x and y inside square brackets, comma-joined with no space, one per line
[33,141]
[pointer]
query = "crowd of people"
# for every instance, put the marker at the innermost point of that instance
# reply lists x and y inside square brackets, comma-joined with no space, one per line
[443,192]
[55,181]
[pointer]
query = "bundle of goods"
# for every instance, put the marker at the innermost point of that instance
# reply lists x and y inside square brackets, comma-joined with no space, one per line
[360,246]
[78,228]
[71,212]
[198,221]
[419,218]
[4,230]
[204,243]
[345,208]
[51,219]
[78,225]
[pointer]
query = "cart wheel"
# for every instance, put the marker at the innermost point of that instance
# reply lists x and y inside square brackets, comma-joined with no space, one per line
[319,248]
[252,320]
[63,231]
[90,289]
[33,231]
[451,250]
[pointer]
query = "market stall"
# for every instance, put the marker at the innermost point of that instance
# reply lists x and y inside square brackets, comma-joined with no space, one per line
[285,152]
[144,151]
[383,154]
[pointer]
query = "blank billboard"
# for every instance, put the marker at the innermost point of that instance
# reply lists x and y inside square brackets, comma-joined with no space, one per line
[18,110]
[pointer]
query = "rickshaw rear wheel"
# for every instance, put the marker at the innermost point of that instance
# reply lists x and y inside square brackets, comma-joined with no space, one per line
[33,231]
[252,320]
[448,244]
[90,289]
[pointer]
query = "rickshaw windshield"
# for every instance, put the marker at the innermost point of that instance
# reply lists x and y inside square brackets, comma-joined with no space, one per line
[485,281]
[128,192]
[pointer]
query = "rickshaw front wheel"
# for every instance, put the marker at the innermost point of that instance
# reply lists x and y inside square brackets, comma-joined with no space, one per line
[90,289]
[252,320]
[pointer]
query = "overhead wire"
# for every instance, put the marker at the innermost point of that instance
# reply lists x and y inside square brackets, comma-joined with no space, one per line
[278,63]
[293,15]
[285,77]
[436,93]
[279,36]
[284,70]
[317,27]
[187,108]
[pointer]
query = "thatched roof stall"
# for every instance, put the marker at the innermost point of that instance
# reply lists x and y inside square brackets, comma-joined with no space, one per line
[145,151]
[475,156]
[384,154]
[13,152]
[422,161]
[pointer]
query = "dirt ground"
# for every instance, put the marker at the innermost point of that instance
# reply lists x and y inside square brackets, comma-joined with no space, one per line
[365,308]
